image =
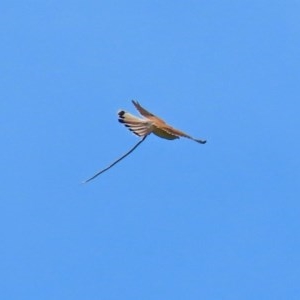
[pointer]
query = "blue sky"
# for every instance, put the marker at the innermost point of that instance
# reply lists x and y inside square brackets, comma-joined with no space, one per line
[176,219]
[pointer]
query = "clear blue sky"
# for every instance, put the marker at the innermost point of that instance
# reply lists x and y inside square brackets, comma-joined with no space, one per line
[176,219]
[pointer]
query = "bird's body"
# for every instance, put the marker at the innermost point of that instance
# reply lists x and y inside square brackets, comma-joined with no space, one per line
[151,124]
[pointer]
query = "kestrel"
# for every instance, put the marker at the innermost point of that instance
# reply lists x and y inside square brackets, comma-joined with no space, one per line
[142,127]
[151,124]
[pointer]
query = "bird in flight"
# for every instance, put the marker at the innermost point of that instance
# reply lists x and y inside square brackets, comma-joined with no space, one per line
[143,127]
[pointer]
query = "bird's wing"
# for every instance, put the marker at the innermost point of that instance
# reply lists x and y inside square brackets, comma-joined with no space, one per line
[177,133]
[161,132]
[145,112]
[140,127]
[160,128]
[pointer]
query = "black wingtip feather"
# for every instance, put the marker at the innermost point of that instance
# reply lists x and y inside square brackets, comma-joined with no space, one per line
[121,113]
[133,131]
[201,141]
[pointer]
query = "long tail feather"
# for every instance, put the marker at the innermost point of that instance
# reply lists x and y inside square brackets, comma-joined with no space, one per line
[115,162]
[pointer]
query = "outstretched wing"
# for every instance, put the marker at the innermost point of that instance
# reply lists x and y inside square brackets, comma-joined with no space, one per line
[145,112]
[140,127]
[176,133]
[161,128]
